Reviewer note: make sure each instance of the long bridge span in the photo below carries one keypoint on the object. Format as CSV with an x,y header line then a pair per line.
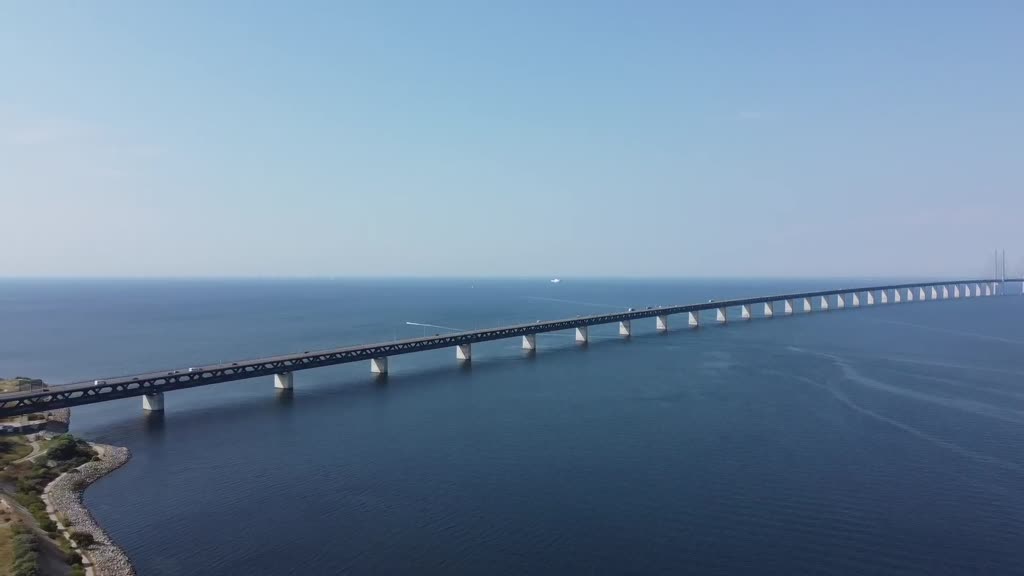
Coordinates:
x,y
152,386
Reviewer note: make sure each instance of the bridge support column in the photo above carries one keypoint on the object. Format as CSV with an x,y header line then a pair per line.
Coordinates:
x,y
581,334
934,293
153,402
283,381
988,289
977,290
769,309
379,365
625,329
967,290
694,318
910,294
787,307
529,342
464,352
807,305
823,304
855,297
869,298
840,301
661,323
722,315
745,311
956,290
896,296
945,292
920,293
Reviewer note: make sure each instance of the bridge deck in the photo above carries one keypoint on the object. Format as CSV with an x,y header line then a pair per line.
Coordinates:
x,y
61,396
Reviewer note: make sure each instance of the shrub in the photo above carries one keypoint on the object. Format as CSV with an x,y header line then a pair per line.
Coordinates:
x,y
72,558
48,525
77,570
83,539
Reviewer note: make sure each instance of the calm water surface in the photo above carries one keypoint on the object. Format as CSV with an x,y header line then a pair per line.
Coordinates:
x,y
882,441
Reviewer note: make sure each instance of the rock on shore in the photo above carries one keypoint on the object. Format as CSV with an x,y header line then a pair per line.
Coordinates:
x,y
64,496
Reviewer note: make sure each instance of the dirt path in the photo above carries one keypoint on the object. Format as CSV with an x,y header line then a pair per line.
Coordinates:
x,y
37,447
51,557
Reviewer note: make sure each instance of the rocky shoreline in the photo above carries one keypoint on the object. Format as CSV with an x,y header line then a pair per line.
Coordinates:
x,y
63,496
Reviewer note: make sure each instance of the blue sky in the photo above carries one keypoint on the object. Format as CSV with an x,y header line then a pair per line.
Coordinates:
x,y
519,138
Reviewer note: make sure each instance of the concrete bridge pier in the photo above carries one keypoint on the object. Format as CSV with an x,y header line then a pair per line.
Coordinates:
x,y
988,289
745,311
910,294
935,293
582,335
967,290
869,298
661,322
807,305
722,315
153,402
840,301
694,318
977,290
283,381
945,292
379,365
856,299
464,352
787,307
823,304
896,297
529,342
920,293
769,309
956,290
625,328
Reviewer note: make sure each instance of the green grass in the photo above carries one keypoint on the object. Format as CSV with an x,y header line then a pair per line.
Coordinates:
x,y
12,448
6,549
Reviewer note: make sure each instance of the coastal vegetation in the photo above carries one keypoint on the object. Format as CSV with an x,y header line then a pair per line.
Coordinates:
x,y
25,480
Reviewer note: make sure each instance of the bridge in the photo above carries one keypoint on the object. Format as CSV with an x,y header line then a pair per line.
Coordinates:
x,y
152,386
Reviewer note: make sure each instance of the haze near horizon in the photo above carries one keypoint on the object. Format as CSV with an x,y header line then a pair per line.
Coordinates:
x,y
520,139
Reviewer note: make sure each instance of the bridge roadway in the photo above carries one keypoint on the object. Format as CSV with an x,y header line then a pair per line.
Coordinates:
x,y
152,385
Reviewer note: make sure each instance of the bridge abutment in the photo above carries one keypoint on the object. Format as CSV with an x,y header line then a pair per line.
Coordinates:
x,y
283,380
153,402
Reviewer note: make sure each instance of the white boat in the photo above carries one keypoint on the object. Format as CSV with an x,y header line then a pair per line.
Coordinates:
x,y
556,280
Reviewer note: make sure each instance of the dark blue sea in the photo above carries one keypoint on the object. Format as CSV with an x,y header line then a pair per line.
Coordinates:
x,y
887,440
